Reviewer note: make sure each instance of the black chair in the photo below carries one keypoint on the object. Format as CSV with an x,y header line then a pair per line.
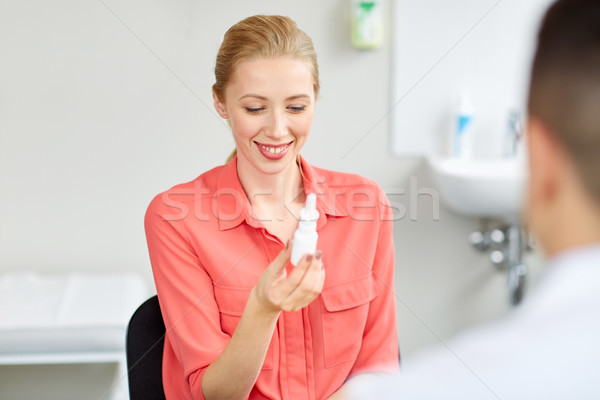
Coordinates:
x,y
144,348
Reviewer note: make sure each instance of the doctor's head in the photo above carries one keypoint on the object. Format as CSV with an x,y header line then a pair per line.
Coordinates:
x,y
266,84
564,125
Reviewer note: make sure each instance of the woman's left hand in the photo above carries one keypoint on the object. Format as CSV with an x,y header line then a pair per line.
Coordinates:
x,y
276,291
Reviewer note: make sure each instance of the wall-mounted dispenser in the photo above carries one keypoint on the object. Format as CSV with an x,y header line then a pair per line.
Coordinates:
x,y
367,24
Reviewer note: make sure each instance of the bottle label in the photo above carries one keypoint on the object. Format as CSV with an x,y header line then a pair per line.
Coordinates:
x,y
463,122
461,141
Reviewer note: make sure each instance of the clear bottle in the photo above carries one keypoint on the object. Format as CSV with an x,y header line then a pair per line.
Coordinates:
x,y
513,135
305,237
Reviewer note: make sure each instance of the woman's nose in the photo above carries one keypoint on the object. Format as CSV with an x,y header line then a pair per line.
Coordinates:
x,y
276,125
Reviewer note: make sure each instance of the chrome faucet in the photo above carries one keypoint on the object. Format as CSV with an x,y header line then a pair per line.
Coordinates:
x,y
516,270
514,134
507,246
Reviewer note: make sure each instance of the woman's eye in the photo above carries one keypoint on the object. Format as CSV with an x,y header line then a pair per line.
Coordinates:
x,y
296,109
254,110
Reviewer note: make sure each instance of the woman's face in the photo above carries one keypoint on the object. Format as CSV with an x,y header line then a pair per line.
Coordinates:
x,y
270,106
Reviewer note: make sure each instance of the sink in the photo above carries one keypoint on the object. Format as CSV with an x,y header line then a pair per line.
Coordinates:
x,y
481,188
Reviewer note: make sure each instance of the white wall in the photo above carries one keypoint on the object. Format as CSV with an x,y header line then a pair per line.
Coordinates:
x,y
105,104
445,49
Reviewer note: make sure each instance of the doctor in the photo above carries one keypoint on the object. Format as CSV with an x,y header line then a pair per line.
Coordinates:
x,y
550,347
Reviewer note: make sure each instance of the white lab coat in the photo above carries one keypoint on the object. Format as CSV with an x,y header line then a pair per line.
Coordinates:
x,y
548,348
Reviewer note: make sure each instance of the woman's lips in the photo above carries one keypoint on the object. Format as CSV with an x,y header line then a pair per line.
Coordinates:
x,y
273,152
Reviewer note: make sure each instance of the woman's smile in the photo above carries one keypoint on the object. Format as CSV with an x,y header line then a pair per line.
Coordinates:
x,y
273,152
270,106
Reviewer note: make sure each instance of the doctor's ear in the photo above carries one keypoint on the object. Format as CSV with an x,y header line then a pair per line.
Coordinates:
x,y
219,106
547,160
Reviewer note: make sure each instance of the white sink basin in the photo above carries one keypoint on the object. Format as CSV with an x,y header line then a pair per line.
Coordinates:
x,y
482,188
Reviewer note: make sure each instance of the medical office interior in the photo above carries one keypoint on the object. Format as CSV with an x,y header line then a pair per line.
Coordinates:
x,y
105,103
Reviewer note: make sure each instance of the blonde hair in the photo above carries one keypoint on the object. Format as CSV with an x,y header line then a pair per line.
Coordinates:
x,y
262,36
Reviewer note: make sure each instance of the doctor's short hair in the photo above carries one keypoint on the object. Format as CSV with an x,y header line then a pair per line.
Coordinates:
x,y
259,37
564,91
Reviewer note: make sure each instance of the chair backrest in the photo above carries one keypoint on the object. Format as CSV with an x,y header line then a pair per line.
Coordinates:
x,y
144,347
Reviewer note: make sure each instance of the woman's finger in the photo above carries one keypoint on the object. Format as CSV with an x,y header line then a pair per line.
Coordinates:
x,y
308,288
287,286
278,265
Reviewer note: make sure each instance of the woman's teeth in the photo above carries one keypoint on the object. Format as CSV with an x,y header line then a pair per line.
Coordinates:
x,y
273,150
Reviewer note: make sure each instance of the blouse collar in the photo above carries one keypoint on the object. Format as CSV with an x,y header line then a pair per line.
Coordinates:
x,y
233,206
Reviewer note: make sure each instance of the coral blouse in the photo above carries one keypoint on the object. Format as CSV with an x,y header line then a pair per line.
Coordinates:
x,y
208,251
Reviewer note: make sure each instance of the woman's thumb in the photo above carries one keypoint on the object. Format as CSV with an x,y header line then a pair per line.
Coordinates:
x,y
282,259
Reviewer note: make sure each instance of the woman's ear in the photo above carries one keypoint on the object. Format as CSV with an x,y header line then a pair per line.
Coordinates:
x,y
220,107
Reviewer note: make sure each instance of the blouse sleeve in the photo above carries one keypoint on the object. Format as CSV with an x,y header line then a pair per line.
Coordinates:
x,y
379,351
186,296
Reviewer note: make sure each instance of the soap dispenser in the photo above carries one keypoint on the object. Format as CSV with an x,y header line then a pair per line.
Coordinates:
x,y
367,24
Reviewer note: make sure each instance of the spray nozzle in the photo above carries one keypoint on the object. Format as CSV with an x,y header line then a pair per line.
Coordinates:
x,y
309,212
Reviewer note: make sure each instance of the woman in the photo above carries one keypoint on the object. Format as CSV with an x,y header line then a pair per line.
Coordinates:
x,y
241,320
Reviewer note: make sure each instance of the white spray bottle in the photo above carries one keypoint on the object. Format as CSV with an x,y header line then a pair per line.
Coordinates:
x,y
305,237
463,129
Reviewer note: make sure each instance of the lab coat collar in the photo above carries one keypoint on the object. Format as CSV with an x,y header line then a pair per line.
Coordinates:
x,y
571,277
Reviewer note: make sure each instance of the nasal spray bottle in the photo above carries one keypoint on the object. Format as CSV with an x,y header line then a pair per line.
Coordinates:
x,y
305,237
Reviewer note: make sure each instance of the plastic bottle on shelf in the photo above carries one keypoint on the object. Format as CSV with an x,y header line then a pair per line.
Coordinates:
x,y
462,135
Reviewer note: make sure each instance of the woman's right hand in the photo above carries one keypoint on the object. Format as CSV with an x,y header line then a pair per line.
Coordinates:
x,y
276,291
234,372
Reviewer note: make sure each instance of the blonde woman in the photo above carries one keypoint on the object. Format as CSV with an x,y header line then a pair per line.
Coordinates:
x,y
242,321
